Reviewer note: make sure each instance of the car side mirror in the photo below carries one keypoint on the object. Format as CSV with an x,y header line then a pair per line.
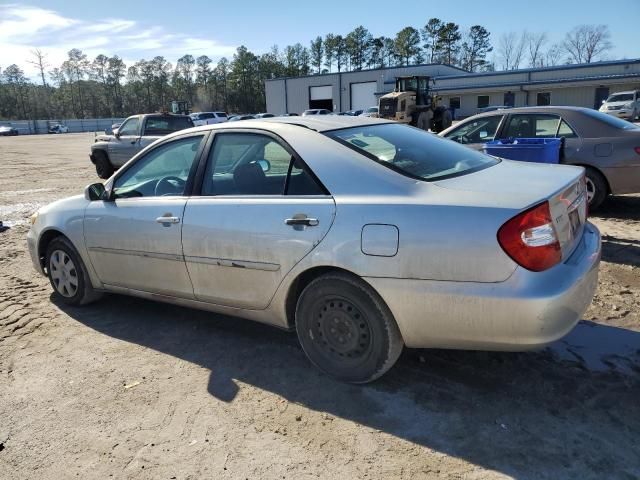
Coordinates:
x,y
94,192
116,133
264,165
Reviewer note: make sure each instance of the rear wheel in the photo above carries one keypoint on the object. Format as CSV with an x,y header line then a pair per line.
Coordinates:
x,y
597,189
443,121
346,330
104,169
68,274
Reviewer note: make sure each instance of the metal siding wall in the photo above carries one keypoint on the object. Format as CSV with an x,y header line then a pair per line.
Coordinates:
x,y
275,93
298,91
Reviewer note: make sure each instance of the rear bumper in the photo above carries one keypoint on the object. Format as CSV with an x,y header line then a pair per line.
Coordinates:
x,y
527,311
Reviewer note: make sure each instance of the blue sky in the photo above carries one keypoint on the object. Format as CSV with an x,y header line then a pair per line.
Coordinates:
x,y
142,29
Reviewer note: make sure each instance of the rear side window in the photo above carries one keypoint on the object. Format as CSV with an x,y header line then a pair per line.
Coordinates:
x,y
565,131
412,152
532,126
254,164
166,125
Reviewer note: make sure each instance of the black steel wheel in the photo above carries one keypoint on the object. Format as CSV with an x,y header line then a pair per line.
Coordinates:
x,y
104,169
346,330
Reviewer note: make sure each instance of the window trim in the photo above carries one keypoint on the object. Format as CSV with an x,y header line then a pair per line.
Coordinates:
x,y
137,134
548,114
204,158
188,189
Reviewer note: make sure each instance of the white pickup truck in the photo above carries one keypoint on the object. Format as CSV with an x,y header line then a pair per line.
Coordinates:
x,y
208,118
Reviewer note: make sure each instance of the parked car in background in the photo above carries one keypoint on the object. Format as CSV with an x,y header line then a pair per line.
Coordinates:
x,y
263,220
58,128
370,112
623,105
236,118
608,147
264,115
110,152
8,131
208,118
353,113
289,115
493,108
317,111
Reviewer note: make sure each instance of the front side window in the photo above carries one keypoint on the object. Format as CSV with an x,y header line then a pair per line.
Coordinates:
x,y
481,130
412,152
161,172
255,164
130,127
532,126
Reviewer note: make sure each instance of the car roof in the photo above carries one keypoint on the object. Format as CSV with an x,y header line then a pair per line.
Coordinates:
x,y
545,109
625,92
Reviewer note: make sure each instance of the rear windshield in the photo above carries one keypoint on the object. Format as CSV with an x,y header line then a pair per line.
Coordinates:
x,y
412,152
166,125
623,97
612,121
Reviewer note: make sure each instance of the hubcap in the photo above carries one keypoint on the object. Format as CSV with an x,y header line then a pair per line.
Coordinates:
x,y
63,273
591,189
341,330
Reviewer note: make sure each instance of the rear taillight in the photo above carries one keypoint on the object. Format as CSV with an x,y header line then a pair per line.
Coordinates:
x,y
530,239
637,149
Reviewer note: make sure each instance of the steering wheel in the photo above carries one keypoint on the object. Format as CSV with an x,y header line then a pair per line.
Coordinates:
x,y
170,185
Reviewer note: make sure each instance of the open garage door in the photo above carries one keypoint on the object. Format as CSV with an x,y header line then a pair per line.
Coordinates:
x,y
363,95
321,97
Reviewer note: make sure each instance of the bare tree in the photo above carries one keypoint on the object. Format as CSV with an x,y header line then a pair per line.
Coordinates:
x,y
40,62
554,54
511,49
535,42
586,43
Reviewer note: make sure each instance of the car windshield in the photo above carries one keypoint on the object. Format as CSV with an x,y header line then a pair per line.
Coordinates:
x,y
623,97
412,152
611,121
372,109
166,125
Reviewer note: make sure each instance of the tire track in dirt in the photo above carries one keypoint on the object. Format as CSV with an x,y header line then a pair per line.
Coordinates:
x,y
20,311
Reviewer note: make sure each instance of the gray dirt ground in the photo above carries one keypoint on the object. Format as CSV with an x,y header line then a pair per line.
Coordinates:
x,y
127,388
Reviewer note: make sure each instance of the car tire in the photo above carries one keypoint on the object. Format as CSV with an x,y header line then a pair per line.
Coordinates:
x,y
597,188
67,274
444,121
104,169
346,330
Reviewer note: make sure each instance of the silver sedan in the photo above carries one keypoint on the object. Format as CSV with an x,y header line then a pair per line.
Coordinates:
x,y
360,234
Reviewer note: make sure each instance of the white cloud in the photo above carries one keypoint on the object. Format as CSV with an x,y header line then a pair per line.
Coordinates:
x,y
24,28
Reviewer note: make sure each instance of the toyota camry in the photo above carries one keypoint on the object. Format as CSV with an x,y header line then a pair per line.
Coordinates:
x,y
361,235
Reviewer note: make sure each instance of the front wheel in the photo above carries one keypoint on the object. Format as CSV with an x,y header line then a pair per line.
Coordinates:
x,y
346,330
104,169
68,274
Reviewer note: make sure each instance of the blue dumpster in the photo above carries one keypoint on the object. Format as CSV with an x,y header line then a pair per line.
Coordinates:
x,y
539,150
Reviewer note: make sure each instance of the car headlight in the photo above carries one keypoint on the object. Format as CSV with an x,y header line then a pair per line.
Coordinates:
x,y
33,218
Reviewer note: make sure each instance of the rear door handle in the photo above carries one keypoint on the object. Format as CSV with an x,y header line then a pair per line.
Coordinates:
x,y
309,222
167,220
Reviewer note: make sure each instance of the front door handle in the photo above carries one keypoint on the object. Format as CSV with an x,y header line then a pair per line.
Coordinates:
x,y
166,220
309,222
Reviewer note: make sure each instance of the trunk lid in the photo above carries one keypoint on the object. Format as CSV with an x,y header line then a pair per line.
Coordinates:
x,y
519,185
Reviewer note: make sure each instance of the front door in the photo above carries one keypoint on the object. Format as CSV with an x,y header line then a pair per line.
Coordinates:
x,y
134,241
125,144
475,133
602,93
260,212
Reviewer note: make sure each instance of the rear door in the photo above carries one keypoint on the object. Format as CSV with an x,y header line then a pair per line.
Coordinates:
x,y
259,213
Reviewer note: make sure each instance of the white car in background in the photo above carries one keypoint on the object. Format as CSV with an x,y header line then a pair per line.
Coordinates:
x,y
623,105
208,118
370,112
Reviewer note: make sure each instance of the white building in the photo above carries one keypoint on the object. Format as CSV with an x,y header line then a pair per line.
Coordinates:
x,y
584,85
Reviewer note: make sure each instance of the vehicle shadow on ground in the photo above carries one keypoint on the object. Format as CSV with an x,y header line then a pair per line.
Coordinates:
x,y
570,411
623,207
621,250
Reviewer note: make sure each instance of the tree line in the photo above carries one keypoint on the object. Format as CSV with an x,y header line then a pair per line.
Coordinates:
x,y
106,87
